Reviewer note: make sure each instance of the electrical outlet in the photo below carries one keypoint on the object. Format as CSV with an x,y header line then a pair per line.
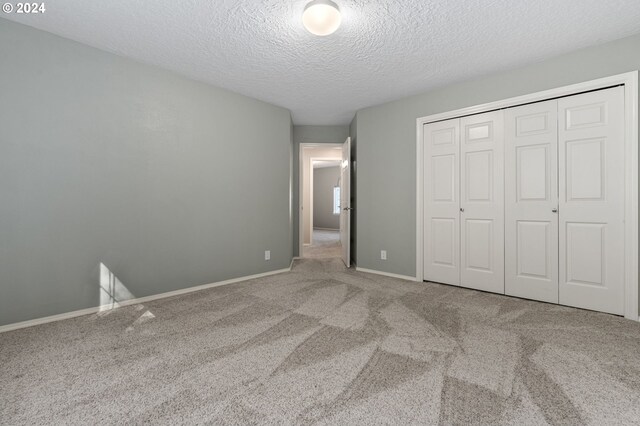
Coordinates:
x,y
267,255
383,254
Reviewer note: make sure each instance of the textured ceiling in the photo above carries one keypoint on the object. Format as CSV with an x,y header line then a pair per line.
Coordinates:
x,y
383,51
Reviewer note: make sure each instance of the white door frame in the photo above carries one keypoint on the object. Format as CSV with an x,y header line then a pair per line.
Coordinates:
x,y
301,148
312,159
630,82
345,203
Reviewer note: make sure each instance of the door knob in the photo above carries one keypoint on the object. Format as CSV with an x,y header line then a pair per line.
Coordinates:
x,y
554,210
348,208
461,209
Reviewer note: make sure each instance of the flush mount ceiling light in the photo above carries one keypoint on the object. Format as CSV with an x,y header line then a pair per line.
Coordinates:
x,y
321,17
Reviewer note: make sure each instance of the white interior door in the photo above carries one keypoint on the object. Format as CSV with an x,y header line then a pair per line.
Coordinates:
x,y
482,202
345,202
531,201
591,160
441,142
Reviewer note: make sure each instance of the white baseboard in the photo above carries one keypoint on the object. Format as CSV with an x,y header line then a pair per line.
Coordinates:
x,y
386,274
327,229
96,309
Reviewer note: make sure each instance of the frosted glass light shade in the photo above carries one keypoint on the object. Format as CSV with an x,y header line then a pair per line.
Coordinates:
x,y
321,17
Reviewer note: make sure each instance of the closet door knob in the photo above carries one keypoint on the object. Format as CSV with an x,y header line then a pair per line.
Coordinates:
x,y
461,209
554,210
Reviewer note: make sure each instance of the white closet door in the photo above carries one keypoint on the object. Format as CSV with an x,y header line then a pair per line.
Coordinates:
x,y
441,202
531,201
591,159
482,202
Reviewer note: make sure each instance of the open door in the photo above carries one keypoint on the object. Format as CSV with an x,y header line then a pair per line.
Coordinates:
x,y
345,202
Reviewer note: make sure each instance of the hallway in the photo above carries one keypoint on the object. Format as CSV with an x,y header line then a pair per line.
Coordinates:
x,y
324,244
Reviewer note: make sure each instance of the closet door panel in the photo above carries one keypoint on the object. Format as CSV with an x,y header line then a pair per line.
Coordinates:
x,y
442,202
482,202
591,161
531,196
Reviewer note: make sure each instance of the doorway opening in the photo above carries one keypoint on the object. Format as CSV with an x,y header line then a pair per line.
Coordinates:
x,y
324,209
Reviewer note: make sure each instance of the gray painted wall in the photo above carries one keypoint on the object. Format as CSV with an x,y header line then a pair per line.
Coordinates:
x,y
309,134
386,182
169,182
324,180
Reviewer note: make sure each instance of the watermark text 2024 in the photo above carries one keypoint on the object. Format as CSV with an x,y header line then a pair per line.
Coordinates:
x,y
22,8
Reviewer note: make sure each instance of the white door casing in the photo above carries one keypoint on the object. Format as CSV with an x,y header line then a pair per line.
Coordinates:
x,y
482,202
592,200
531,201
442,202
308,152
345,202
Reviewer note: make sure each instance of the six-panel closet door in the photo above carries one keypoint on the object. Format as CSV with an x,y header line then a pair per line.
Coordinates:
x,y
592,185
531,201
464,202
482,202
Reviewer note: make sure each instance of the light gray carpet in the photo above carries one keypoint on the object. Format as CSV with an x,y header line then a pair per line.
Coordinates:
x,y
324,244
325,345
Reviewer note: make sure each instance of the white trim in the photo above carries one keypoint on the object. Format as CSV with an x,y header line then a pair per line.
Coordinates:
x,y
311,188
386,274
345,207
327,229
630,82
631,196
301,148
103,308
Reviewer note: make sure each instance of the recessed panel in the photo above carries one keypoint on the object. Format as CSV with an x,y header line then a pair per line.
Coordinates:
x,y
586,116
479,176
479,244
585,253
444,136
443,169
443,241
585,169
533,124
533,249
479,132
532,178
